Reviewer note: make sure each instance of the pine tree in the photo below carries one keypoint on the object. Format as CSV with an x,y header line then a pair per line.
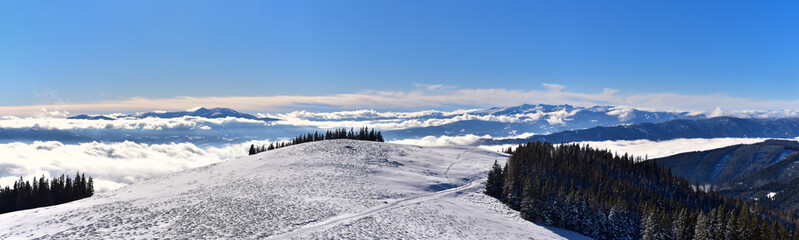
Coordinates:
x,y
528,205
718,226
649,224
681,228
90,187
252,149
730,229
379,137
495,182
702,228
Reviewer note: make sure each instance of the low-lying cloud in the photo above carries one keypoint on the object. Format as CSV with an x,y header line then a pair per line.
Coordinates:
x,y
656,149
463,140
645,149
112,165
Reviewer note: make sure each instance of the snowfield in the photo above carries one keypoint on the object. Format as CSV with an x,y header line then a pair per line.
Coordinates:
x,y
336,189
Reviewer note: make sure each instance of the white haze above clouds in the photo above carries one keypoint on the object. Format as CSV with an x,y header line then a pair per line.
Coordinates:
x,y
423,96
150,123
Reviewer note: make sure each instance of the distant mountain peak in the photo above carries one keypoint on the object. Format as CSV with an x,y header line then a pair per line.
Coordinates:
x,y
216,112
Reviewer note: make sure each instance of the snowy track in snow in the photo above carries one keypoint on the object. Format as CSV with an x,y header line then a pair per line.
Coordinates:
x,y
320,226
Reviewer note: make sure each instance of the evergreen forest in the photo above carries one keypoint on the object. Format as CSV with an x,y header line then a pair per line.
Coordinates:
x,y
607,196
44,192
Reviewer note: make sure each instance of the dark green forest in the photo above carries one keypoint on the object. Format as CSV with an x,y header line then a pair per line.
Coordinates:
x,y
44,192
606,196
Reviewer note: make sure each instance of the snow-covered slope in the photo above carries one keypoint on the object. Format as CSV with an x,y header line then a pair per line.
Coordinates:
x,y
329,189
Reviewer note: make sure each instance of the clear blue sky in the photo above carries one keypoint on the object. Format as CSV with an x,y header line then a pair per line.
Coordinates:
x,y
89,51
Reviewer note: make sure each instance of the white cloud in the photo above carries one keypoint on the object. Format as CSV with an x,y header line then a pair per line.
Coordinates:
x,y
112,165
553,87
624,113
468,139
150,123
424,96
403,120
560,117
718,111
656,149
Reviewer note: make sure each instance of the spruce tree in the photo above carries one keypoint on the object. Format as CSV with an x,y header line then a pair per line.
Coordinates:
x,y
252,149
649,225
702,228
680,228
379,136
495,181
528,207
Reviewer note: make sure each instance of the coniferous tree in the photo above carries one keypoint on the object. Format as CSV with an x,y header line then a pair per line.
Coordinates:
x,y
379,137
682,227
702,228
649,225
252,149
495,181
730,229
528,207
44,192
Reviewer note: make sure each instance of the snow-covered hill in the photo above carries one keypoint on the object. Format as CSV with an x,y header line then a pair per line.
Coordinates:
x,y
329,189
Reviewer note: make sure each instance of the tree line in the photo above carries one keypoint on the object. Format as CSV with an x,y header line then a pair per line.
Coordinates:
x,y
364,133
607,196
45,192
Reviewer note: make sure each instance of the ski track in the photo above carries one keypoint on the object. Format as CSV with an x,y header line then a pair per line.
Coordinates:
x,y
450,166
338,220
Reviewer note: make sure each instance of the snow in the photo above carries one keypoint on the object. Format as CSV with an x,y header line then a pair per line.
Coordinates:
x,y
771,195
321,190
785,153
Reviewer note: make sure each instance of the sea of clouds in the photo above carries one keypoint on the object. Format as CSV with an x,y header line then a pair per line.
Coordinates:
x,y
112,165
117,164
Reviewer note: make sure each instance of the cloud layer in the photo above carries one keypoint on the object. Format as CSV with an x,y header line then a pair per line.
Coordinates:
x,y
112,165
639,148
424,96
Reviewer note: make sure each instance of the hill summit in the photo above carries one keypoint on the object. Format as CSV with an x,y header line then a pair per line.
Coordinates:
x,y
319,190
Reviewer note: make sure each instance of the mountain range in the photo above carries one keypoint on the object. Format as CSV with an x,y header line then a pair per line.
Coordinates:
x,y
506,125
199,112
541,119
718,127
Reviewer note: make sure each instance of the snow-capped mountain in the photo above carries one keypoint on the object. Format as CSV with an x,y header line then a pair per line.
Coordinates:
x,y
199,112
321,190
220,126
718,127
541,119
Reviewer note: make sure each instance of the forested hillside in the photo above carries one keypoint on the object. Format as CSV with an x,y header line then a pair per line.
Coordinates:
x,y
45,192
766,172
607,196
745,164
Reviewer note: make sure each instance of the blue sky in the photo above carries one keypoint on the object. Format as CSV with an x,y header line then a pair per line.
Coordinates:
x,y
84,52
